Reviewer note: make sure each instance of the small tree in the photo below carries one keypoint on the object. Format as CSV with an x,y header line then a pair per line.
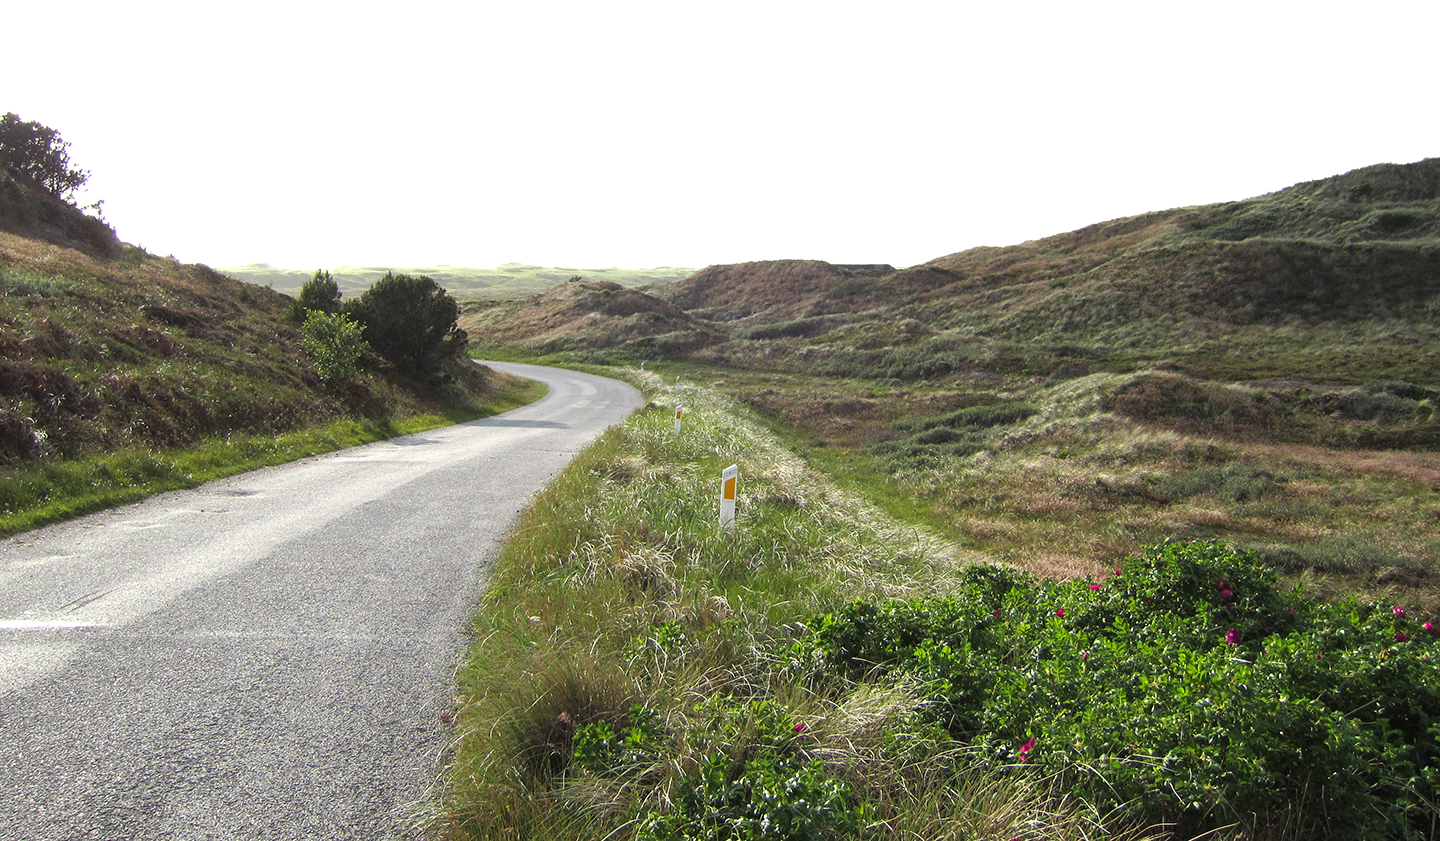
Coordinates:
x,y
319,294
410,321
334,344
37,154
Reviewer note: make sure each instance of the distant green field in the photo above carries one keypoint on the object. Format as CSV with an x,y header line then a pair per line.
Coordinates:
x,y
507,279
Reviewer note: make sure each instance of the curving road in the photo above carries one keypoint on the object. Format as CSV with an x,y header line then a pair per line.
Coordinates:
x,y
268,656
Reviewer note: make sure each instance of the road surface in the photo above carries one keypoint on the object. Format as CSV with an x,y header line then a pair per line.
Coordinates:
x,y
267,656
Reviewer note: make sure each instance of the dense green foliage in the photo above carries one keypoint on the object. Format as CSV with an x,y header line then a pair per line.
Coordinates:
x,y
764,789
334,344
1185,689
37,153
320,293
410,321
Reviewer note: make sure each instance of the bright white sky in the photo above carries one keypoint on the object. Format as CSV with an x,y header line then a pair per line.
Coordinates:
x,y
643,134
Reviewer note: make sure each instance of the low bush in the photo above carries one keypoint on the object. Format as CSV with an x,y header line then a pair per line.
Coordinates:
x,y
1184,690
334,344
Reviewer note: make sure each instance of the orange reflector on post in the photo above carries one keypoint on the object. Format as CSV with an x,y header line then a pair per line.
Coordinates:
x,y
729,479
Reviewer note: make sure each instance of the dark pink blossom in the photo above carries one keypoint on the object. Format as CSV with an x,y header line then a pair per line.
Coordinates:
x,y
1398,611
1231,637
800,727
1400,636
1094,586
1226,595
1025,748
1428,628
1060,612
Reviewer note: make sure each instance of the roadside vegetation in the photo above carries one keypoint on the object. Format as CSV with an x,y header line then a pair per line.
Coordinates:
x,y
827,671
1184,469
123,373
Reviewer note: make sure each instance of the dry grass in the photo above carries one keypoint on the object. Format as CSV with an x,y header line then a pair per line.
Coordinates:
x,y
1076,486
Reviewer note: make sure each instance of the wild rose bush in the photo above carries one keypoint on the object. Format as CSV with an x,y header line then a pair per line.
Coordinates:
x,y
1184,688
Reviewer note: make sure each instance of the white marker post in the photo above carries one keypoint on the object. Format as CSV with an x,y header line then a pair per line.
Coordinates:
x,y
679,410
728,480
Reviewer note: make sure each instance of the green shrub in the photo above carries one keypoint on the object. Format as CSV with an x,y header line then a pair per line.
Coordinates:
x,y
334,344
763,788
37,153
1183,689
638,743
410,321
320,293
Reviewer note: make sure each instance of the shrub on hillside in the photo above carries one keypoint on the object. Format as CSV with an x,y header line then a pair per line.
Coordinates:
x,y
334,345
410,321
320,294
36,153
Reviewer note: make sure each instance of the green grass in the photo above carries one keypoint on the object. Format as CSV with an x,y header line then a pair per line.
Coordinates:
x,y
630,659
639,673
128,375
49,490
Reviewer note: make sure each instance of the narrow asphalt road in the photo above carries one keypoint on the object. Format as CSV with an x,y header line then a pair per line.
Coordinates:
x,y
268,656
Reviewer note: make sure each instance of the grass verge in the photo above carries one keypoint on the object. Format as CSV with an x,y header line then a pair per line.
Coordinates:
x,y
47,491
635,675
824,672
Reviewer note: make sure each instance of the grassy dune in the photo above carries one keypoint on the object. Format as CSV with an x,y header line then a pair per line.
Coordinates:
x,y
626,642
827,671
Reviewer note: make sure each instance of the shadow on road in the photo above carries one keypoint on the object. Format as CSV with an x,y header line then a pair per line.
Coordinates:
x,y
534,424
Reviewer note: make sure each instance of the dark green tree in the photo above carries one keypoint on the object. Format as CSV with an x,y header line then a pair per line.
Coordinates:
x,y
319,294
410,321
37,154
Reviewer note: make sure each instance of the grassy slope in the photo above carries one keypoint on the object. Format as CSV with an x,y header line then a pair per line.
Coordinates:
x,y
503,281
1260,371
581,314
124,373
638,673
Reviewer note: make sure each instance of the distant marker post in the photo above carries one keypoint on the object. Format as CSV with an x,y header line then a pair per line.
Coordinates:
x,y
728,480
